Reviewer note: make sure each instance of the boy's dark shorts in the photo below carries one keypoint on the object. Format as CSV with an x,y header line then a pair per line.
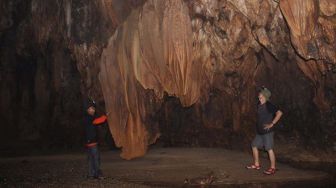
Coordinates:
x,y
263,140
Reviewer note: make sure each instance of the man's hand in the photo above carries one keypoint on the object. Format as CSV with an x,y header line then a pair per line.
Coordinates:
x,y
268,126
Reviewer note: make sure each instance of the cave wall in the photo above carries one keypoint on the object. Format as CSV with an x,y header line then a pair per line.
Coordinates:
x,y
49,51
40,84
212,56
182,72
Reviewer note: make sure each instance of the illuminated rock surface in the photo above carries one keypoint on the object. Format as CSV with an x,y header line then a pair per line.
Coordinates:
x,y
184,72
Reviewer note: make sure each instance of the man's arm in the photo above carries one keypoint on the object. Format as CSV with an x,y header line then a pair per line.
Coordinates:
x,y
277,117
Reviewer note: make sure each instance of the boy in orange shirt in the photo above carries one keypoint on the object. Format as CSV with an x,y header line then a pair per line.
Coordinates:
x,y
91,122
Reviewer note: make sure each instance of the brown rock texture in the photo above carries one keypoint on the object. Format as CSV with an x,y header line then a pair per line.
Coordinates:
x,y
179,72
312,36
150,57
225,46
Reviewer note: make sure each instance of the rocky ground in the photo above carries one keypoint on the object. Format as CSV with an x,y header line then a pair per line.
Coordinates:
x,y
162,167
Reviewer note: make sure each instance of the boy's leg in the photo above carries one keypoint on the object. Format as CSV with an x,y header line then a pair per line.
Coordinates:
x,y
95,161
90,163
100,173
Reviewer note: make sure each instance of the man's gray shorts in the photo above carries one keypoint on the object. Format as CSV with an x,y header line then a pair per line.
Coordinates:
x,y
263,140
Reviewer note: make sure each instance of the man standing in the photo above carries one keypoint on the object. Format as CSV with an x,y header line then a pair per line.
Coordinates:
x,y
268,116
91,122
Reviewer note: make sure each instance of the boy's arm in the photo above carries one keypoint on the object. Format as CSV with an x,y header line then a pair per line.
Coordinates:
x,y
100,120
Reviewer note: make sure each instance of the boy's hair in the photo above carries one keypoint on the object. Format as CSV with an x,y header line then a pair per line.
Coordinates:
x,y
90,103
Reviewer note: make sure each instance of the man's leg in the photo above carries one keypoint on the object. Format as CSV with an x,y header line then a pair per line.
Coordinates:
x,y
256,143
255,156
272,158
269,142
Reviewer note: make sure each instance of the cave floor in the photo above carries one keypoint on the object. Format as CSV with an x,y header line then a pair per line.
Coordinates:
x,y
161,167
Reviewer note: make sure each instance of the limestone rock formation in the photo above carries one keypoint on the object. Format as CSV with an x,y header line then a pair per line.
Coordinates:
x,y
184,72
225,46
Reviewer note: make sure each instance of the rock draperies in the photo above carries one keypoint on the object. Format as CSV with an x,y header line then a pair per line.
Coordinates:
x,y
313,30
151,50
187,48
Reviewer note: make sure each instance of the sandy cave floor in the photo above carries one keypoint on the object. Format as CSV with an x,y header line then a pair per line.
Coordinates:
x,y
161,167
